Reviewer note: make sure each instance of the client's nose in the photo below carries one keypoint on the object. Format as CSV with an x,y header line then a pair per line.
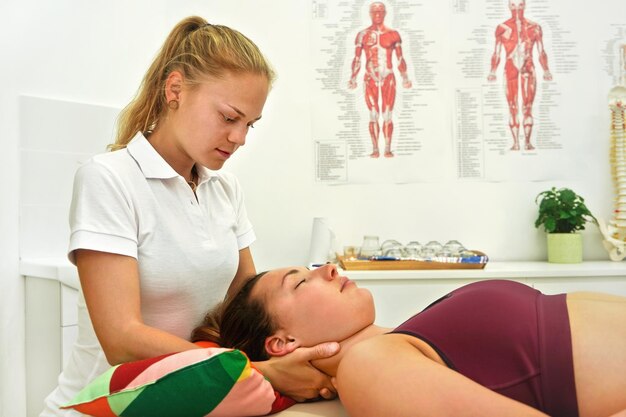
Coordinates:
x,y
329,271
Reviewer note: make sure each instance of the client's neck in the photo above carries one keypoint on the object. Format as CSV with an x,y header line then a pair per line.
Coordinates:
x,y
329,365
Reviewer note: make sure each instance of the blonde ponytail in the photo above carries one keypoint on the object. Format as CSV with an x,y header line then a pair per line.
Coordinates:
x,y
197,49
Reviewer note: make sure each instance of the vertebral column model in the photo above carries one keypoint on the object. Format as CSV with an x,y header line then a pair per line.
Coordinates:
x,y
615,232
379,43
519,35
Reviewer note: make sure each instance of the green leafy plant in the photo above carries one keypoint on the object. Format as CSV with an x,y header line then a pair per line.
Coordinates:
x,y
562,211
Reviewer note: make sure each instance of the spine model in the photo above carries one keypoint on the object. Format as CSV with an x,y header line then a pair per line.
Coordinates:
x,y
615,231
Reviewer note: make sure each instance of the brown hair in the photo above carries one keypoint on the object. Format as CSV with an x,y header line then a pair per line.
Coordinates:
x,y
197,49
240,322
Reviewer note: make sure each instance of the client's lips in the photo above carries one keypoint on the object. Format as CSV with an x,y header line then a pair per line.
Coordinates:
x,y
343,282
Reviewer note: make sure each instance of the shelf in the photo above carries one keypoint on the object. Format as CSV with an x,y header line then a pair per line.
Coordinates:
x,y
503,270
62,270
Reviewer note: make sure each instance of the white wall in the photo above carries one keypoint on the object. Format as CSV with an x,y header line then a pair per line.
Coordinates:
x,y
11,287
96,52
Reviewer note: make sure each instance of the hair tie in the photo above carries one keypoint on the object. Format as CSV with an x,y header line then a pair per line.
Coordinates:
x,y
203,26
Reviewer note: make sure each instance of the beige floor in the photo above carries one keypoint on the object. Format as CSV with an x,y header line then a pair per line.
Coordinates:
x,y
317,409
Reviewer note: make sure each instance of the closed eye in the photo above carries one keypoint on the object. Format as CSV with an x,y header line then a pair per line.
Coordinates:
x,y
230,120
301,282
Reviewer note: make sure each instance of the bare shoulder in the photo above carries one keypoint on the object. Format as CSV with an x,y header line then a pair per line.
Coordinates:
x,y
380,346
371,354
391,375
371,371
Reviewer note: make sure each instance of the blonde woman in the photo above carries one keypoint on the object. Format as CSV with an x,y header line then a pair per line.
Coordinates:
x,y
158,233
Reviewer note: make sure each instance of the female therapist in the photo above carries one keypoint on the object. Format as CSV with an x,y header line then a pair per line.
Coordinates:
x,y
158,233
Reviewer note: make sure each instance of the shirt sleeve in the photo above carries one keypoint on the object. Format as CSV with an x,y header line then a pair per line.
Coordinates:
x,y
102,217
243,228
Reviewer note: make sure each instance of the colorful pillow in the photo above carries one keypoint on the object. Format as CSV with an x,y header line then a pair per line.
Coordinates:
x,y
199,382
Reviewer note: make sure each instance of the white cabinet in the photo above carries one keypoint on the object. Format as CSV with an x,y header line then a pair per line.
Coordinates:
x,y
51,327
400,294
69,321
43,340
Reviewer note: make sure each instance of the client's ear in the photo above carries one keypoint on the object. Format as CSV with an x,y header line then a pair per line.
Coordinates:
x,y
280,344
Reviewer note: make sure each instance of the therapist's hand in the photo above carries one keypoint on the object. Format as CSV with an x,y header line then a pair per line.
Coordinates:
x,y
294,376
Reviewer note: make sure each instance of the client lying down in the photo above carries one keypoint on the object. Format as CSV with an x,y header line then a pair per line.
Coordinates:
x,y
490,348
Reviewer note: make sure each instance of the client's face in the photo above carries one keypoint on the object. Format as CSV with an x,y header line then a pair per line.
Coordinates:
x,y
314,306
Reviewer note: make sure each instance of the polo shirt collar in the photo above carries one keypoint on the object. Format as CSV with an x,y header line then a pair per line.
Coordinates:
x,y
153,165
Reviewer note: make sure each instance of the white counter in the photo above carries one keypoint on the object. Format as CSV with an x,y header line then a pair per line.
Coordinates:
x,y
59,269
503,270
62,270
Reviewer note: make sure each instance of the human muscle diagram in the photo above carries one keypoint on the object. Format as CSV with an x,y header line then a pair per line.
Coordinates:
x,y
374,78
518,37
482,90
379,44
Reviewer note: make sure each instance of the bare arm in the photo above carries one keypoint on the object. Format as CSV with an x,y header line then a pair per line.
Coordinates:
x,y
401,381
295,376
110,283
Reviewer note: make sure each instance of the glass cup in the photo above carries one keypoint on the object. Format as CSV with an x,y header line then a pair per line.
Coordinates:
x,y
431,249
370,246
392,249
389,244
397,253
351,252
452,248
412,250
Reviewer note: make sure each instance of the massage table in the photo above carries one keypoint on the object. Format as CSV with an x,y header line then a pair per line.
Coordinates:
x,y
331,408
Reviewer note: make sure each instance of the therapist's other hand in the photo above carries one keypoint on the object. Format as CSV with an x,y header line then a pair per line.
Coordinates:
x,y
294,376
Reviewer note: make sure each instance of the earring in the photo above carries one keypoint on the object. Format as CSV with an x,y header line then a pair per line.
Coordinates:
x,y
172,104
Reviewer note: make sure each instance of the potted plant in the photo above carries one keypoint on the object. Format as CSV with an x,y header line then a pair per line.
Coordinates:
x,y
562,213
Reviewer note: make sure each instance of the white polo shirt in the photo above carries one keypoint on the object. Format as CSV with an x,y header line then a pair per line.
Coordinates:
x,y
131,202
